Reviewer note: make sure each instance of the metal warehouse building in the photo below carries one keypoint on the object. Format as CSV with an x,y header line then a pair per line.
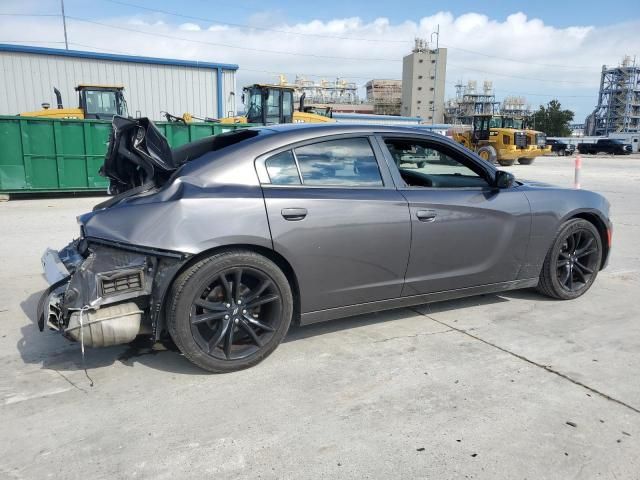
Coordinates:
x,y
152,85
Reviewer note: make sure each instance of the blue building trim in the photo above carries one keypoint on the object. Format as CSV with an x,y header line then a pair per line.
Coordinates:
x,y
219,90
117,58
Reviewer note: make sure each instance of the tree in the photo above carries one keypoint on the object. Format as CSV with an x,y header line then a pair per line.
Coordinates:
x,y
552,120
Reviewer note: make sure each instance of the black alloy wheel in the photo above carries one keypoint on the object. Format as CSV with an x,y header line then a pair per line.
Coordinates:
x,y
577,260
573,261
229,311
236,314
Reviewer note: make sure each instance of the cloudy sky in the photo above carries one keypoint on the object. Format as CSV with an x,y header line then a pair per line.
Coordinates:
x,y
540,50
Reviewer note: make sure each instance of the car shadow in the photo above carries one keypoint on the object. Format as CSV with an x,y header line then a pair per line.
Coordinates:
x,y
54,352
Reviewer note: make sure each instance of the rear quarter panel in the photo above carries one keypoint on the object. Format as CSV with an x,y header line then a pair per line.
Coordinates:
x,y
209,204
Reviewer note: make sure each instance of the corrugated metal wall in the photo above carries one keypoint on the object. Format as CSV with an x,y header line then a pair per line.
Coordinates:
x,y
28,79
229,93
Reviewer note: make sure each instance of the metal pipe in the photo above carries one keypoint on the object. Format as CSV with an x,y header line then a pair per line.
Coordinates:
x,y
58,97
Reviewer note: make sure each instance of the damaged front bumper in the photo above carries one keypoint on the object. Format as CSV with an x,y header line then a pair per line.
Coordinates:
x,y
102,294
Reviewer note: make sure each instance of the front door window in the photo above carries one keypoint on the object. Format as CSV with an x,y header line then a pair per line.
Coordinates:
x,y
425,165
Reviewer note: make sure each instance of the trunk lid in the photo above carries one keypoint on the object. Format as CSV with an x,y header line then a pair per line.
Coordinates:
x,y
138,156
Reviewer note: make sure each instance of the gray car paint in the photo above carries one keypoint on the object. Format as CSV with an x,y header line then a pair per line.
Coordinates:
x,y
486,230
216,201
485,233
352,247
551,207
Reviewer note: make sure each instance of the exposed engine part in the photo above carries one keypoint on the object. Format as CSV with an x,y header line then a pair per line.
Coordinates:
x,y
108,276
121,281
106,326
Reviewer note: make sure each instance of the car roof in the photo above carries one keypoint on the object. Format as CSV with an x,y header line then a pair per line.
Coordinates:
x,y
297,132
338,128
278,136
240,156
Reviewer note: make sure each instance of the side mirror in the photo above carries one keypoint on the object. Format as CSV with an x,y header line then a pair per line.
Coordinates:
x,y
504,179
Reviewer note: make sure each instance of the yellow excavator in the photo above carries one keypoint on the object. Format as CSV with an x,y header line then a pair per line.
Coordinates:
x,y
268,104
100,102
500,139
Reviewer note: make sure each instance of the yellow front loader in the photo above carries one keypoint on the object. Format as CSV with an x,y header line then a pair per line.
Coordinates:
x,y
269,104
498,139
100,102
536,140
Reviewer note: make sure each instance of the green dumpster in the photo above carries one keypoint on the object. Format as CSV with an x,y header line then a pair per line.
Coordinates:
x,y
39,155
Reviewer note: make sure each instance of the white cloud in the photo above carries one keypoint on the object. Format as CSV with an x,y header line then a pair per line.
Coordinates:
x,y
559,62
189,27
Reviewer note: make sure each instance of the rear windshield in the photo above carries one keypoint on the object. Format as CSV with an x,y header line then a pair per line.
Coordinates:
x,y
198,148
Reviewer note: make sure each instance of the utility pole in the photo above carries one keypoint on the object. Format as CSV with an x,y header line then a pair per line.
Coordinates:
x,y
64,25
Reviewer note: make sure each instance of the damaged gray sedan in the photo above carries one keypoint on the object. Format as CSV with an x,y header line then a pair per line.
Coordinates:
x,y
226,241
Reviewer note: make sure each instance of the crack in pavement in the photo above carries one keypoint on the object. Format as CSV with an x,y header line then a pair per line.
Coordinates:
x,y
534,363
70,382
414,335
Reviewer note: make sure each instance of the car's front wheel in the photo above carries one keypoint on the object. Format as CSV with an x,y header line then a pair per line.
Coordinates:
x,y
573,261
229,311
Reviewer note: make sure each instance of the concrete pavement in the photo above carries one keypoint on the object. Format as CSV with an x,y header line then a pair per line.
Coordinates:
x,y
497,386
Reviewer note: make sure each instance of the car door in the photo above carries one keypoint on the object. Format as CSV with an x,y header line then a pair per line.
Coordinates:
x,y
336,216
465,232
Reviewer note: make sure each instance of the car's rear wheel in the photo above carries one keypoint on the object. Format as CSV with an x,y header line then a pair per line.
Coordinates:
x,y
229,311
573,261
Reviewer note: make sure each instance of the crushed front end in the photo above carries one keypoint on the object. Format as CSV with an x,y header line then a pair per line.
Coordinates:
x,y
103,294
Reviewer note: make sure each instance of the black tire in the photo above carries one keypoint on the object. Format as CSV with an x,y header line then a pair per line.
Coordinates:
x,y
525,161
507,163
421,164
195,286
488,153
561,262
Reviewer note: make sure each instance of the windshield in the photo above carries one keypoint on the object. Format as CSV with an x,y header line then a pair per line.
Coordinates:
x,y
101,103
273,106
254,106
516,123
495,122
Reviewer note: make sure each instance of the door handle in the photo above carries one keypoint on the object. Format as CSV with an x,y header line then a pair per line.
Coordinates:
x,y
426,215
294,214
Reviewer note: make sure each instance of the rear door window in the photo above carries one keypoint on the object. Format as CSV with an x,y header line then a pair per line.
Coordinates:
x,y
343,162
282,169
